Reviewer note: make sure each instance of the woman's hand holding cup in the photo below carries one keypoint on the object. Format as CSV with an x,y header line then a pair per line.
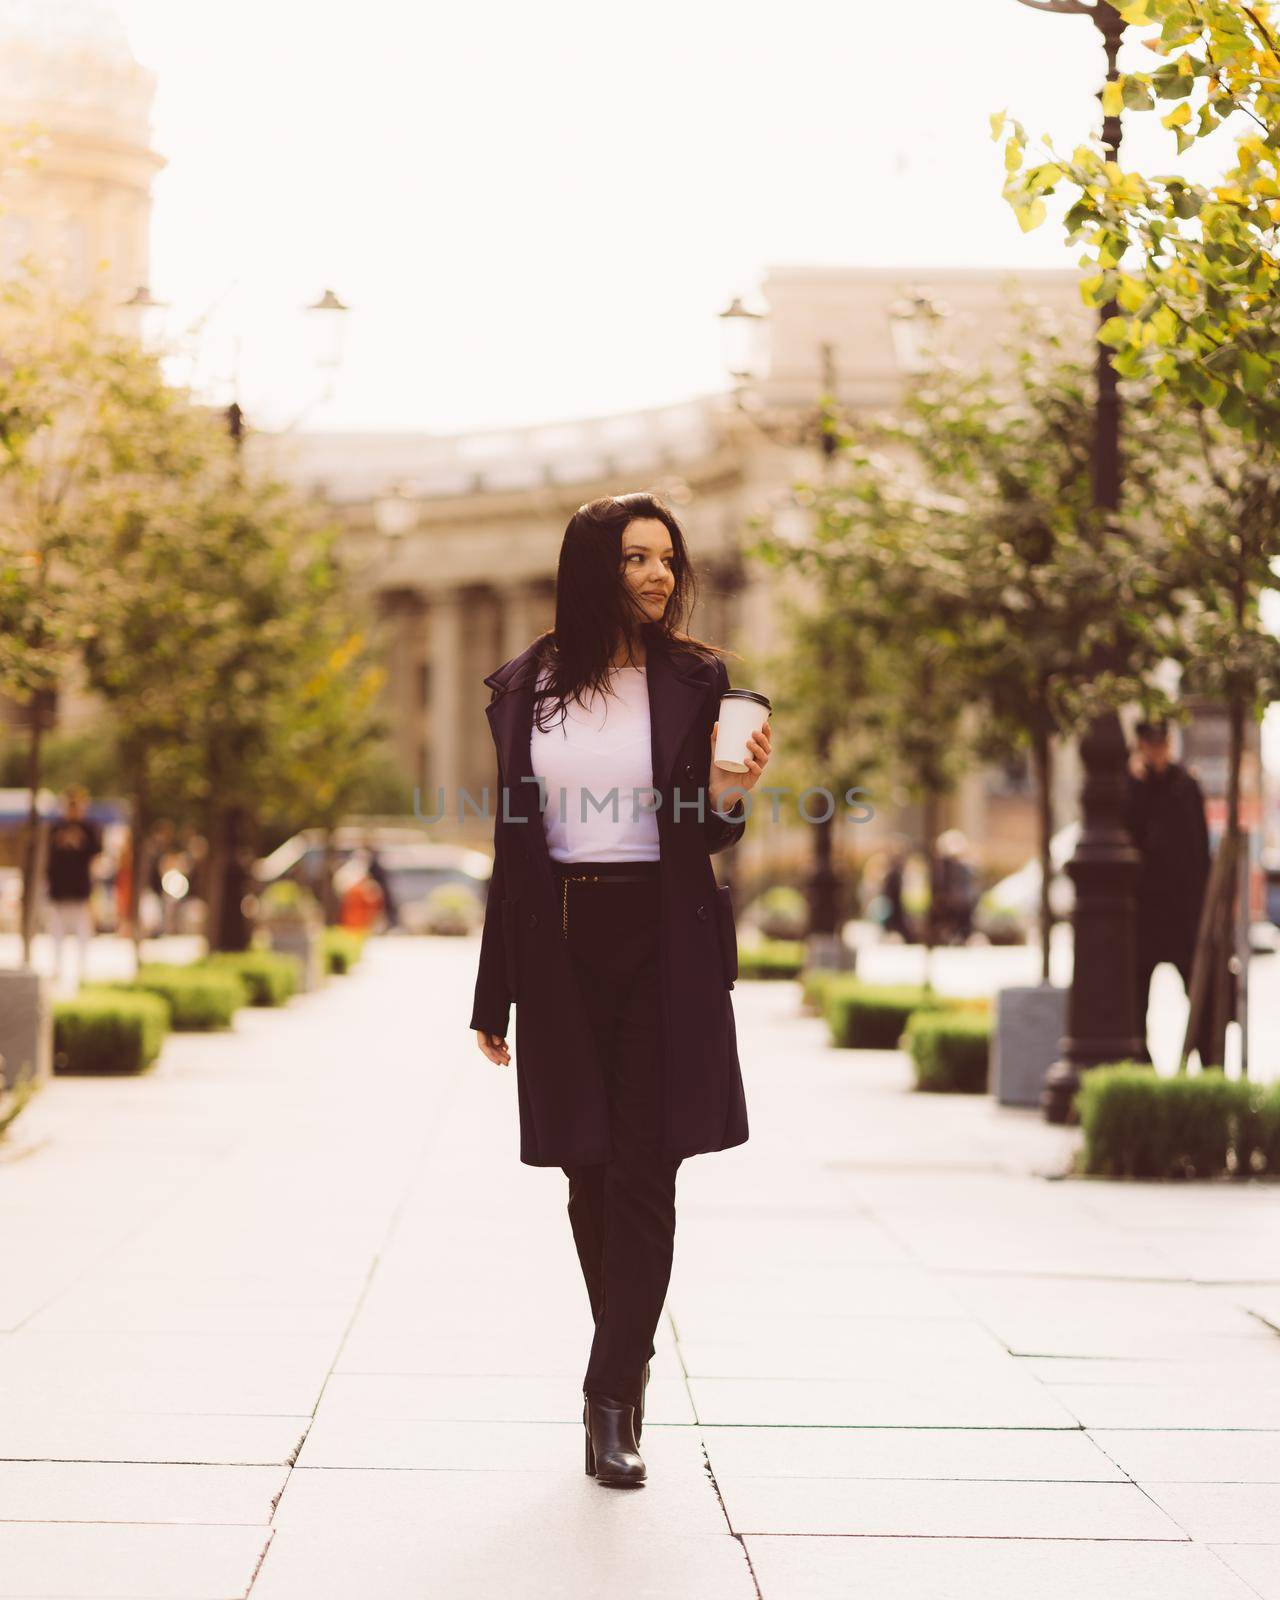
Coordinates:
x,y
754,757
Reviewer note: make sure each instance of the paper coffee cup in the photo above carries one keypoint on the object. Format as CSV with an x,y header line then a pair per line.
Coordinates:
x,y
742,713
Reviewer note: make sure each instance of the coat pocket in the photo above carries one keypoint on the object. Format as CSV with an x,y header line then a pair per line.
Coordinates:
x,y
510,911
728,934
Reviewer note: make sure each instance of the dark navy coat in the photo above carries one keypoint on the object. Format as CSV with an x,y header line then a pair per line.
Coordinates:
x,y
524,959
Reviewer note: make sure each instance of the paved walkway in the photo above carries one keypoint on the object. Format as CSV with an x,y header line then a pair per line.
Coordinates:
x,y
288,1317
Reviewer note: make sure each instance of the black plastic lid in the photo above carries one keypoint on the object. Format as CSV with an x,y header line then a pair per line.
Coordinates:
x,y
747,694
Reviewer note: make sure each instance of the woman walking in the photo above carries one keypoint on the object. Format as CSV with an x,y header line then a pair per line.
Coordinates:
x,y
606,929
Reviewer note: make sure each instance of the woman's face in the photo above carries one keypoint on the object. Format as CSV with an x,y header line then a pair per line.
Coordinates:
x,y
648,565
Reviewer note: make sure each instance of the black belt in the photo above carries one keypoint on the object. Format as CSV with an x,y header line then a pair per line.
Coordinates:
x,y
606,872
599,872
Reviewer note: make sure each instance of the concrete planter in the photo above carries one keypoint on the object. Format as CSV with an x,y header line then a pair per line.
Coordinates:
x,y
301,939
1026,1040
26,1027
831,953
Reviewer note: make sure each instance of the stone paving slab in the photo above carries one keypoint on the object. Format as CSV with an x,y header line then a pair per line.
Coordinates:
x,y
1192,1455
1222,1513
1163,1405
97,1491
458,1398
1245,1364
45,1432
930,1508
1031,1454
384,1536
481,1446
1257,1564
128,1561
989,1569
900,1399
495,1354
854,1347
886,1312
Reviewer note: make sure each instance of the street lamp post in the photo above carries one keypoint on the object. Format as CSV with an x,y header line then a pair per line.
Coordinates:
x,y
743,353
914,321
1102,1020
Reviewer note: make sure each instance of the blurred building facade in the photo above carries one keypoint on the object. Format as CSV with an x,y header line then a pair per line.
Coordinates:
x,y
76,162
457,538
76,169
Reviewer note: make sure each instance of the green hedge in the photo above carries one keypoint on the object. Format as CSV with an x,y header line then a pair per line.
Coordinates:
x,y
270,977
771,958
950,1049
864,1016
201,997
814,984
341,949
107,1029
1258,1135
1137,1124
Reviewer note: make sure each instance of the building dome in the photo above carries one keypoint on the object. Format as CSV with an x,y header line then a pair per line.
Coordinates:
x,y
58,24
66,67
75,178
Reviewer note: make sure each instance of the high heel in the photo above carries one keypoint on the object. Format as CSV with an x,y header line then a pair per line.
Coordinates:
x,y
611,1453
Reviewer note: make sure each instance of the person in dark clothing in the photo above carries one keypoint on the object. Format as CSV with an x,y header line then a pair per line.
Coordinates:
x,y
74,842
1164,814
891,887
953,889
379,875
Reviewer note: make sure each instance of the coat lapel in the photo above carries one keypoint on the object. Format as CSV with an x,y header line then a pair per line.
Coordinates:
x,y
677,689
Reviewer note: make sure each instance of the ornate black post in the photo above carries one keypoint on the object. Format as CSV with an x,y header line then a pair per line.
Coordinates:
x,y
823,889
1102,1024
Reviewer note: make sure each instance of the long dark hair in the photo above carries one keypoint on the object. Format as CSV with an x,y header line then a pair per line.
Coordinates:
x,y
594,610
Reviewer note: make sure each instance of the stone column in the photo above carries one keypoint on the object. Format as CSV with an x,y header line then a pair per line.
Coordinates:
x,y
443,721
526,612
404,613
481,653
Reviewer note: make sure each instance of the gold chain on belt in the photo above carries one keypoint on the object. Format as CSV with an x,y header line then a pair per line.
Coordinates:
x,y
576,877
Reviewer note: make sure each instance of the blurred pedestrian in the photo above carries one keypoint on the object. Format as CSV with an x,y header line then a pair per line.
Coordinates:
x,y
379,875
74,844
123,887
891,888
360,899
1164,813
954,889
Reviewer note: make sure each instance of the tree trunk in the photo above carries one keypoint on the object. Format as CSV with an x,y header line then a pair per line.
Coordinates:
x,y
1223,978
328,896
929,848
138,845
216,873
33,837
1042,757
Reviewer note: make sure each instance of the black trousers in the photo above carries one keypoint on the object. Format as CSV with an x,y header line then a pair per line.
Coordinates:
x,y
623,1213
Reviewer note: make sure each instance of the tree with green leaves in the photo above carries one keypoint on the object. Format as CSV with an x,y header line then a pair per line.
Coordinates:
x,y
1193,270
968,538
1063,606
64,417
869,650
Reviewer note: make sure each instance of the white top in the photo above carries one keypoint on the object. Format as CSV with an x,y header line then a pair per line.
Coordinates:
x,y
597,774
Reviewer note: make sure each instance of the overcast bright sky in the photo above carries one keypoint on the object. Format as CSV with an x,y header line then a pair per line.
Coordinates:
x,y
536,211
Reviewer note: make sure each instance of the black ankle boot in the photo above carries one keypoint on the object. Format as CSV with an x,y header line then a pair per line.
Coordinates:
x,y
612,1456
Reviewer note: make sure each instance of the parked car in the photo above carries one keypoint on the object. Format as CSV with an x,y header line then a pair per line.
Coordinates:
x,y
413,868
1009,910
